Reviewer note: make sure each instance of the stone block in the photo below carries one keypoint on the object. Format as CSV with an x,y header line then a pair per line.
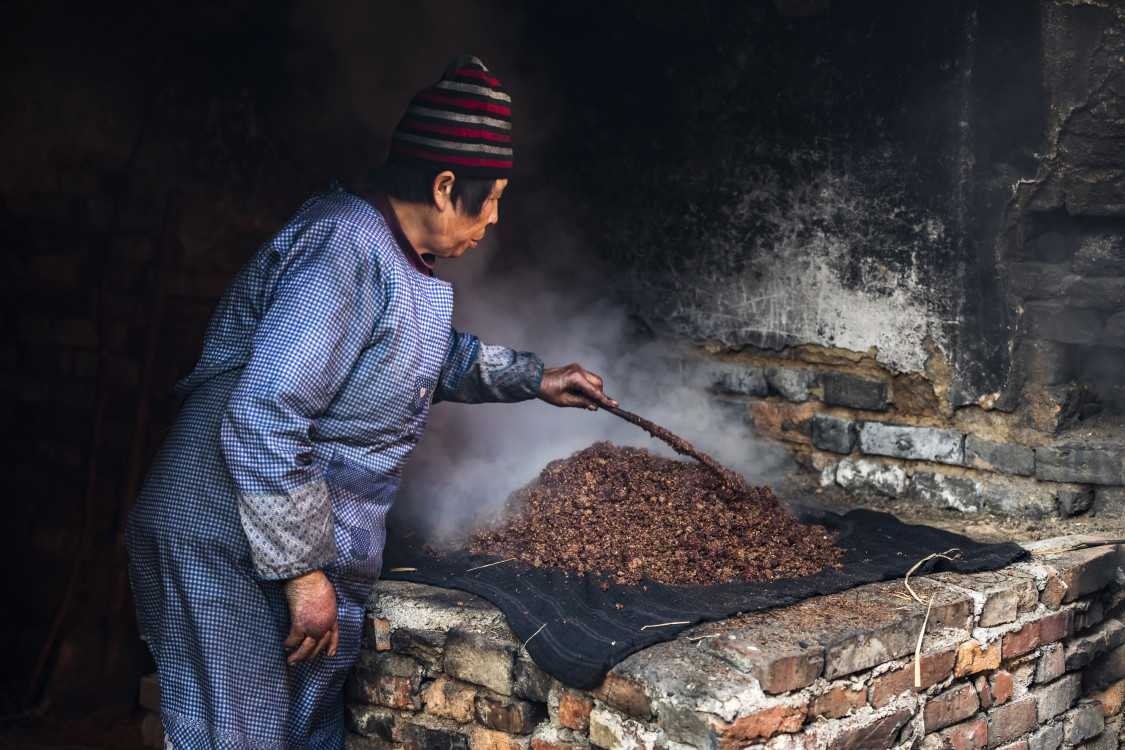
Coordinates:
x,y
914,443
1022,641
1057,697
1084,571
1109,501
149,696
833,433
427,647
480,660
371,721
1051,664
1105,671
530,682
1083,650
481,738
1075,500
968,735
761,725
1002,595
1017,496
859,650
974,657
1083,722
610,729
451,699
1046,738
945,491
1112,698
1008,458
574,710
862,475
1078,464
838,701
935,667
735,378
549,737
842,389
791,383
954,705
1000,687
507,714
1009,722
377,632
787,664
879,730
625,694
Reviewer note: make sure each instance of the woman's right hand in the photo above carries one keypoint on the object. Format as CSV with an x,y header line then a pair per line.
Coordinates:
x,y
312,615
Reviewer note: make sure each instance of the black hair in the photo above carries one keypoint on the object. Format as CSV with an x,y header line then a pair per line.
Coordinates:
x,y
415,184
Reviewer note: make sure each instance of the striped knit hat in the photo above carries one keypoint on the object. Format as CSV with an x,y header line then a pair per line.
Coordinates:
x,y
462,123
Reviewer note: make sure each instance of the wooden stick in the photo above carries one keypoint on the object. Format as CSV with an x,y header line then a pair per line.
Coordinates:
x,y
666,624
929,605
523,647
489,565
678,444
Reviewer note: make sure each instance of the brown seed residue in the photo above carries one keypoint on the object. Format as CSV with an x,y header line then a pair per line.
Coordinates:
x,y
629,514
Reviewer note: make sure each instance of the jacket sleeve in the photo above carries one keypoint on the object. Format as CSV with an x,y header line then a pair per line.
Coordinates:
x,y
476,373
313,328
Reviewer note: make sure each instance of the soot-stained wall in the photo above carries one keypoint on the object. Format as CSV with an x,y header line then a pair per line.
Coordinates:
x,y
834,178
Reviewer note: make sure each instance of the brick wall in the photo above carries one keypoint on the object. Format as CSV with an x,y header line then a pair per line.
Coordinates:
x,y
1030,658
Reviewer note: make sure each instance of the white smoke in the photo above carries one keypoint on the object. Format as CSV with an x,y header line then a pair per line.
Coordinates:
x,y
474,456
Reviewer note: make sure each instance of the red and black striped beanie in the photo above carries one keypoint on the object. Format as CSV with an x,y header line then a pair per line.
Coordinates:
x,y
462,123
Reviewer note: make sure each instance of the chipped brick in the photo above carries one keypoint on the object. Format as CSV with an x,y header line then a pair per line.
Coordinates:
x,y
954,705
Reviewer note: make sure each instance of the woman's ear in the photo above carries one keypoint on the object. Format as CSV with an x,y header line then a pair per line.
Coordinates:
x,y
443,190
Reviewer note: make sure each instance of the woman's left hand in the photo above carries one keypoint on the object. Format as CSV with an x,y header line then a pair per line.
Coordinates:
x,y
573,385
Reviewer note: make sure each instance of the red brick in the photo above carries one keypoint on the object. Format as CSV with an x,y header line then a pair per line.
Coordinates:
x,y
1111,698
1021,641
1000,685
624,694
879,732
934,668
450,699
969,735
574,711
761,725
510,715
973,658
1010,721
839,701
954,705
1055,626
378,632
984,691
490,739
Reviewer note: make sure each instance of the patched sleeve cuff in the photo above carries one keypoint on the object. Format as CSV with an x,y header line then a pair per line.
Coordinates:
x,y
291,533
499,374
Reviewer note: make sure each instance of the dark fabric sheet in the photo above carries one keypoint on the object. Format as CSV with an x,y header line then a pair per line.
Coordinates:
x,y
586,633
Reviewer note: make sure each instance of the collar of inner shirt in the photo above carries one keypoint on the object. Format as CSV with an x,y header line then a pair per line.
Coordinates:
x,y
423,262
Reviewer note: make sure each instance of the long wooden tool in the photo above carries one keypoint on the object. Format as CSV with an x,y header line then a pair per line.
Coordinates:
x,y
681,446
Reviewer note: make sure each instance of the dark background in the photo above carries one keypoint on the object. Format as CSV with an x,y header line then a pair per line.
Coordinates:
x,y
147,151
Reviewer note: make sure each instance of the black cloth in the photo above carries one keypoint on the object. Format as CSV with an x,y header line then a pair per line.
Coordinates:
x,y
586,632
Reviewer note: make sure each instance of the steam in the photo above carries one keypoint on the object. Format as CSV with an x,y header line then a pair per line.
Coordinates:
x,y
474,456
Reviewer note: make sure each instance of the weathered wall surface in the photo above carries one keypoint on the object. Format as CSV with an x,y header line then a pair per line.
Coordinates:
x,y
835,178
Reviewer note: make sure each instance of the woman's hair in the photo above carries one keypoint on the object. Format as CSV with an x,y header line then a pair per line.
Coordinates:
x,y
415,184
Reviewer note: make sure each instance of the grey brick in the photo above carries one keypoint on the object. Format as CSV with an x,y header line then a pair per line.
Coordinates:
x,y
1075,500
1081,651
733,377
1018,496
1083,721
1046,738
1008,458
854,392
943,491
915,443
1081,465
791,383
833,433
481,661
1106,671
1055,698
863,475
